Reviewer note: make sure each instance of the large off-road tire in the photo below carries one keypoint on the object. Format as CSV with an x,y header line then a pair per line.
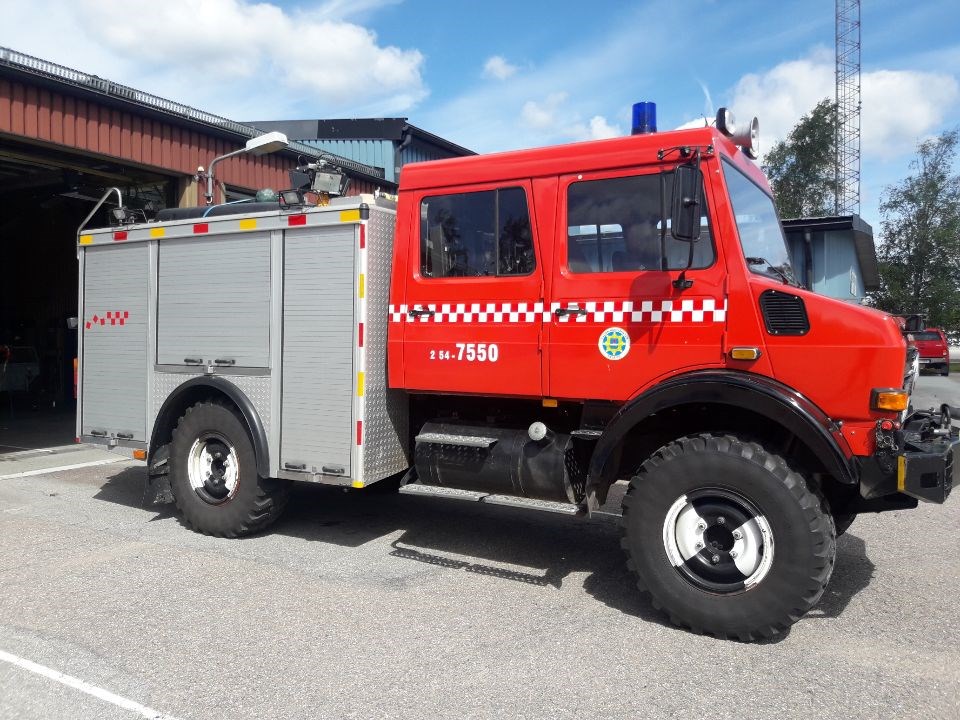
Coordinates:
x,y
213,474
726,538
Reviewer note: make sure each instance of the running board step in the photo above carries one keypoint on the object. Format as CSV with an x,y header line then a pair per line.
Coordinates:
x,y
488,499
463,440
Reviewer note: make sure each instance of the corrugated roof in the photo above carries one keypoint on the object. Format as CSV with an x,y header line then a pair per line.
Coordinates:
x,y
391,129
94,84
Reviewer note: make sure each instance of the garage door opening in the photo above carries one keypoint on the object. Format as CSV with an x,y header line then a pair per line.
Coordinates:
x,y
44,196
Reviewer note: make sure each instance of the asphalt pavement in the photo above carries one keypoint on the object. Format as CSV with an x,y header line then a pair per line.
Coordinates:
x,y
359,606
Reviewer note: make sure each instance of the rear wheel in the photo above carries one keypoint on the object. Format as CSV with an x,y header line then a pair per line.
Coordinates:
x,y
213,474
726,538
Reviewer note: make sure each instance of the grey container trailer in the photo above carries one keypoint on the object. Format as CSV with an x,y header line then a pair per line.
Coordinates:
x,y
281,316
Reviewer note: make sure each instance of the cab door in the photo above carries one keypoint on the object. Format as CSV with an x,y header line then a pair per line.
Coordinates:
x,y
474,300
618,321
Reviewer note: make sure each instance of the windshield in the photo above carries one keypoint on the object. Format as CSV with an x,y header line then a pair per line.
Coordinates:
x,y
761,236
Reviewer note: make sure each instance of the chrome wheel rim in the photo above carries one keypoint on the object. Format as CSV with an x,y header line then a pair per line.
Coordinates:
x,y
212,468
718,541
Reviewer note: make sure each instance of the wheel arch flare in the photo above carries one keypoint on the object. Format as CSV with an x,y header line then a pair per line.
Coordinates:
x,y
206,388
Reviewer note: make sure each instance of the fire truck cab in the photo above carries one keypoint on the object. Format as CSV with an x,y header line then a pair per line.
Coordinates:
x,y
538,324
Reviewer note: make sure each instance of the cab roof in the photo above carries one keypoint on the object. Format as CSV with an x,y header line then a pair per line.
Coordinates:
x,y
630,150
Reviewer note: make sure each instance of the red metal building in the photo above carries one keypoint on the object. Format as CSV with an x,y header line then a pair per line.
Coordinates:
x,y
65,137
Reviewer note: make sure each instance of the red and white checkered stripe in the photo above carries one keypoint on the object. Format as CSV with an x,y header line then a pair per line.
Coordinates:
x,y
472,312
691,310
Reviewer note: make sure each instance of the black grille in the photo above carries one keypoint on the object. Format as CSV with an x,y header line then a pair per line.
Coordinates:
x,y
784,314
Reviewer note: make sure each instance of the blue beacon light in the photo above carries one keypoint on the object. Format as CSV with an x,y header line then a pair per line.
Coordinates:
x,y
644,118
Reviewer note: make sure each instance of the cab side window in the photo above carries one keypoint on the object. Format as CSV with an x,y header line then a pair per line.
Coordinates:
x,y
476,234
615,225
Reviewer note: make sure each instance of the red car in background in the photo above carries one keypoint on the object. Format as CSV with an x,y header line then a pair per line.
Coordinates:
x,y
934,350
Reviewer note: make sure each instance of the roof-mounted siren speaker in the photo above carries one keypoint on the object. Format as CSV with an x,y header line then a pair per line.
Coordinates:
x,y
748,138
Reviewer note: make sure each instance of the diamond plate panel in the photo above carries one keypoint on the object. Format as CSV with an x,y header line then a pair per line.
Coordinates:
x,y
256,388
386,430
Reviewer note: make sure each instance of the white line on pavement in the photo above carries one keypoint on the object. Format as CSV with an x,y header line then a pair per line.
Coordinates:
x,y
44,471
86,687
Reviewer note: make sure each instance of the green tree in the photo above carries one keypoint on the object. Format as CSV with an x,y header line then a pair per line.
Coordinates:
x,y
801,169
919,260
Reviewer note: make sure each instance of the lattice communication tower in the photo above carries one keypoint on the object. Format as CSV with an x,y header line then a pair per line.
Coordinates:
x,y
848,107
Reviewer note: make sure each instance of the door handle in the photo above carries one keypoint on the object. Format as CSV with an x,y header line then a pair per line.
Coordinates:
x,y
419,312
193,361
575,310
225,361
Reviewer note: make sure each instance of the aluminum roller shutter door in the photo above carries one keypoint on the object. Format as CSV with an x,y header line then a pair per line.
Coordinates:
x,y
318,348
214,300
115,343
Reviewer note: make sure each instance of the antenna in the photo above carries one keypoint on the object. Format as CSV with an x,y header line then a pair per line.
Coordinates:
x,y
847,169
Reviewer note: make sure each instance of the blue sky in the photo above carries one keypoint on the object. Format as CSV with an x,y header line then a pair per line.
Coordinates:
x,y
499,75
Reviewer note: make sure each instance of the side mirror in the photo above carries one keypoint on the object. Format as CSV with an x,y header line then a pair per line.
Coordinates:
x,y
687,203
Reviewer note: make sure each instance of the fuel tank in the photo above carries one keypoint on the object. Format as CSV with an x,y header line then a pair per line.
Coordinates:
x,y
533,463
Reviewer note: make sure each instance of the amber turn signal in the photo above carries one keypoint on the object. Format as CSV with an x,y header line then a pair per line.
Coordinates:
x,y
745,353
892,400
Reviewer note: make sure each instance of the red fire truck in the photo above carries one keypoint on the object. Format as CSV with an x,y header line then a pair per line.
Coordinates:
x,y
539,324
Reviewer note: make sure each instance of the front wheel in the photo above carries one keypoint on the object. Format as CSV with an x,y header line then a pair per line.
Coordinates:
x,y
726,538
213,474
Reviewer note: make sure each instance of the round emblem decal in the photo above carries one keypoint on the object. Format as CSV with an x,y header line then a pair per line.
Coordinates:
x,y
614,343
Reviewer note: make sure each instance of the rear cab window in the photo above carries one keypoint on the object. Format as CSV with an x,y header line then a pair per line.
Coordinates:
x,y
476,234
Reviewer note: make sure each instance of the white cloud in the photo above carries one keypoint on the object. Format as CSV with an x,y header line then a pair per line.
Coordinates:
x,y
902,107
239,58
498,68
552,115
542,115
342,9
898,106
601,129
597,75
783,94
695,123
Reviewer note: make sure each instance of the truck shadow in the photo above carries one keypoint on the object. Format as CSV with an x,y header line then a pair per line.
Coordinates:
x,y
851,574
129,487
518,545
